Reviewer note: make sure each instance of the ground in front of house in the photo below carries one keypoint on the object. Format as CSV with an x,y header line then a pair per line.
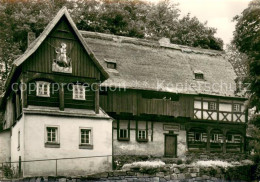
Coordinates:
x,y
169,170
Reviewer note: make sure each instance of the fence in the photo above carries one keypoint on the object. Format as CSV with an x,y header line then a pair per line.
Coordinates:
x,y
74,166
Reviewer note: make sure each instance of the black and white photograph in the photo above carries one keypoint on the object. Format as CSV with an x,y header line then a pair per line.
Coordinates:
x,y
130,90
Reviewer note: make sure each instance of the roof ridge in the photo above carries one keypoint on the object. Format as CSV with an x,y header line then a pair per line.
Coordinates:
x,y
150,43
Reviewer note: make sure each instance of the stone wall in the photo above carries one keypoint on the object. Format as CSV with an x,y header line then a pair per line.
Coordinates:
x,y
168,173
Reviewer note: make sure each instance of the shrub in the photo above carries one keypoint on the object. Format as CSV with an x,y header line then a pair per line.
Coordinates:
x,y
179,162
8,171
188,161
213,172
242,173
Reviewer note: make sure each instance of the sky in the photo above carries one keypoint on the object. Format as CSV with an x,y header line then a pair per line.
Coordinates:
x,y
218,13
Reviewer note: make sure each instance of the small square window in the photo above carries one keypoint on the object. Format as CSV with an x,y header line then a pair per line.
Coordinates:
x,y
199,76
236,107
142,134
123,134
212,106
78,92
43,89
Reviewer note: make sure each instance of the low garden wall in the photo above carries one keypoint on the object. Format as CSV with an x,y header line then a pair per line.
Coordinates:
x,y
167,172
194,167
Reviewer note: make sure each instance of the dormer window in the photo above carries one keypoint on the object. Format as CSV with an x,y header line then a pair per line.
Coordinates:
x,y
78,92
111,64
43,89
199,75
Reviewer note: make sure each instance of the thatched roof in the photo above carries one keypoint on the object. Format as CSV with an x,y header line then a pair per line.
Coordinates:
x,y
150,65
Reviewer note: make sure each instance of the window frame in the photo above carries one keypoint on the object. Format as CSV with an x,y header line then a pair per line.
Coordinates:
x,y
199,76
50,144
200,136
215,137
111,65
86,145
123,128
215,106
74,92
145,135
239,106
38,89
232,138
123,138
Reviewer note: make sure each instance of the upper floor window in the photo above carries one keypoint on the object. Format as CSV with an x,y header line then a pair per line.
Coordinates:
x,y
78,92
43,89
212,106
236,107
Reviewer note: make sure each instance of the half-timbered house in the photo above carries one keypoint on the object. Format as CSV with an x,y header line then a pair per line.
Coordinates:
x,y
168,99
164,99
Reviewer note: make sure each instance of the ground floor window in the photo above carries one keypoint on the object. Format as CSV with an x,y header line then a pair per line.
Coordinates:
x,y
86,138
123,134
52,133
142,134
233,138
198,137
123,130
52,136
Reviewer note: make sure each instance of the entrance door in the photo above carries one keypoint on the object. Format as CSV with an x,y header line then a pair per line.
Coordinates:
x,y
170,145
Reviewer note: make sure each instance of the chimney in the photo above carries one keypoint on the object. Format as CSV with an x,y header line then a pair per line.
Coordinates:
x,y
30,38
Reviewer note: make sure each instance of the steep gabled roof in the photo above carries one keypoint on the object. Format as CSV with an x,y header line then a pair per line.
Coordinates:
x,y
150,65
37,42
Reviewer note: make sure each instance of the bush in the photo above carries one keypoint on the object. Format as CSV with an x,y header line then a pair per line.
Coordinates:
x,y
188,161
256,169
213,172
8,171
179,162
241,173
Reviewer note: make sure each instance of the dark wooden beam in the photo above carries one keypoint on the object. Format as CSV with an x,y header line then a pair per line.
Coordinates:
x,y
61,97
97,98
152,130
